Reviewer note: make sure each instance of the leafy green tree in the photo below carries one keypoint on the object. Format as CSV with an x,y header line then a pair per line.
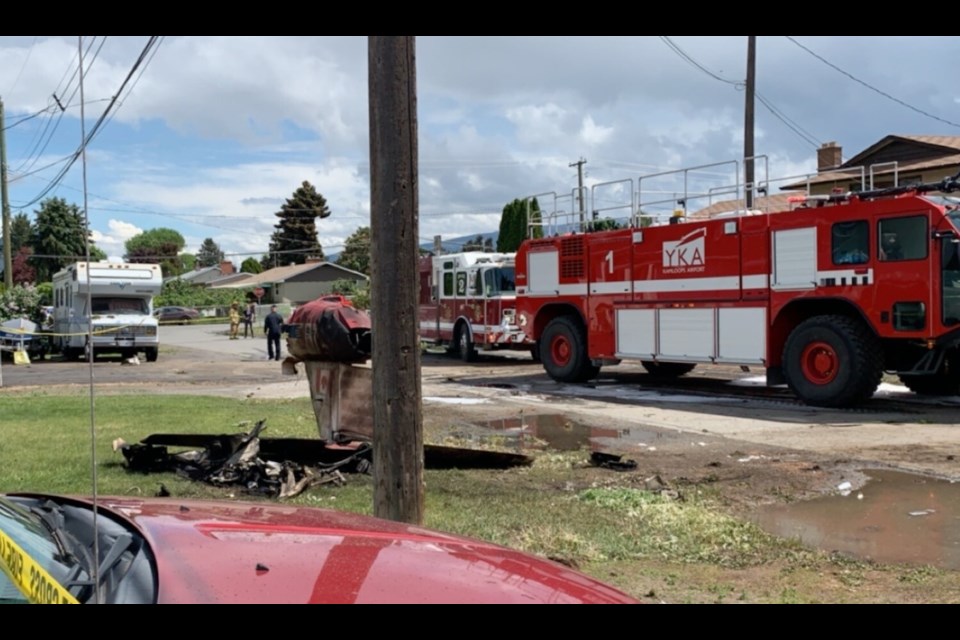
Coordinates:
x,y
157,246
478,244
97,254
209,254
21,301
58,237
514,221
604,224
357,292
295,238
180,293
356,251
188,261
251,265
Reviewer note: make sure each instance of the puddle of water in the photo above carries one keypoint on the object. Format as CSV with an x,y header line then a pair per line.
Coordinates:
x,y
558,432
901,518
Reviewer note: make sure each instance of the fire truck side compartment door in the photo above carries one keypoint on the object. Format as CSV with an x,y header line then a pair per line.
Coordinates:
x,y
687,334
543,272
636,333
742,335
795,258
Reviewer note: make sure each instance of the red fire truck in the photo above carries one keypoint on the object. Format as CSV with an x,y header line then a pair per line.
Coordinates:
x,y
826,296
468,301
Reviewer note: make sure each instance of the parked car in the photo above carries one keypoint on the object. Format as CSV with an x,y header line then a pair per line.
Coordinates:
x,y
171,551
181,315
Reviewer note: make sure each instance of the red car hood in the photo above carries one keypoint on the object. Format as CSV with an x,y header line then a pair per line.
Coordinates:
x,y
223,552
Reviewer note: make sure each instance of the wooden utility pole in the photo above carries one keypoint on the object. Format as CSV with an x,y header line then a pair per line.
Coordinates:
x,y
748,186
7,249
394,282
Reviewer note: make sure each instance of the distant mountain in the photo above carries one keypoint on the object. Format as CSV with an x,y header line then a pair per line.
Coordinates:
x,y
450,245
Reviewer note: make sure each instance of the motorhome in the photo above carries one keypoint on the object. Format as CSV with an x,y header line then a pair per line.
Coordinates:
x,y
106,307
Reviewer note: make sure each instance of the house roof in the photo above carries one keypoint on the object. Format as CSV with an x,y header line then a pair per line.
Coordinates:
x,y
775,202
282,274
935,151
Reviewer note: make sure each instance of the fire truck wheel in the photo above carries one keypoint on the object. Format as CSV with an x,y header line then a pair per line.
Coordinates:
x,y
563,351
832,361
667,369
465,348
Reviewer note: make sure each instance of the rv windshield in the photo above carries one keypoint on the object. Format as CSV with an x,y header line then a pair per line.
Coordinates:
x,y
498,281
129,306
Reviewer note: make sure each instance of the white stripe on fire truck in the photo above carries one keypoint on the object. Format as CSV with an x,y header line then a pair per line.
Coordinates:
x,y
724,283
478,329
719,283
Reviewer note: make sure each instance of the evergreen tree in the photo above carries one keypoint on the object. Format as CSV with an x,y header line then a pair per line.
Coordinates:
x,y
295,238
356,251
209,254
514,224
57,237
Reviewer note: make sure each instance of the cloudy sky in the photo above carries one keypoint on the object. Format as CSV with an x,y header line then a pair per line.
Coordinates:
x,y
210,135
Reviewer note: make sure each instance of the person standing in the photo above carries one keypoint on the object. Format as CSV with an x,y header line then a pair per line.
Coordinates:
x,y
272,326
249,313
234,321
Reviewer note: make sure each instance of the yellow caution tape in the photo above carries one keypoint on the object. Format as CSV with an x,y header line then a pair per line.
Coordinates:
x,y
30,577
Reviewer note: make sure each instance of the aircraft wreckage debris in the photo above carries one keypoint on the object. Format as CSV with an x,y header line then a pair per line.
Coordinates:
x,y
283,467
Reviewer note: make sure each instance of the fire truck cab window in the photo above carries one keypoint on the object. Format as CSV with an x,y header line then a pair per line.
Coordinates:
x,y
447,283
499,280
850,242
903,238
461,283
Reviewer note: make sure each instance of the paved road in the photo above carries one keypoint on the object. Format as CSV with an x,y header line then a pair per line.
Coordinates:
x,y
199,354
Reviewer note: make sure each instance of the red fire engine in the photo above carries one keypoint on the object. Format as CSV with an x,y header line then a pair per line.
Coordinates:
x,y
825,296
468,301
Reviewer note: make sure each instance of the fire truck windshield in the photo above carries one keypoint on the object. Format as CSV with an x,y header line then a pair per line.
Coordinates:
x,y
498,281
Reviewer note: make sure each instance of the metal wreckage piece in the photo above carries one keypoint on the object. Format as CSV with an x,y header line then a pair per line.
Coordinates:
x,y
330,338
278,467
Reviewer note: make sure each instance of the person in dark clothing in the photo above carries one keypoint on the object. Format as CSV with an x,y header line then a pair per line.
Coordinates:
x,y
248,316
272,326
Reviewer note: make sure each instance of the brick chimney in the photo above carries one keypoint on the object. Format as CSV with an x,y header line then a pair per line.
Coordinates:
x,y
829,156
226,268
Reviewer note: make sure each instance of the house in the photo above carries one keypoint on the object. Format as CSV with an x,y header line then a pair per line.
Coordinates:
x,y
895,160
295,284
205,275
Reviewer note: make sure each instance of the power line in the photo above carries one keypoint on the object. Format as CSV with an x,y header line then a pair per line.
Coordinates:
x,y
869,86
97,126
683,54
779,115
23,66
29,117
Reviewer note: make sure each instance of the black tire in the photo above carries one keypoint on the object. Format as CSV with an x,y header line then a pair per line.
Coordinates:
x,y
667,369
832,361
946,382
152,354
535,353
563,351
465,348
